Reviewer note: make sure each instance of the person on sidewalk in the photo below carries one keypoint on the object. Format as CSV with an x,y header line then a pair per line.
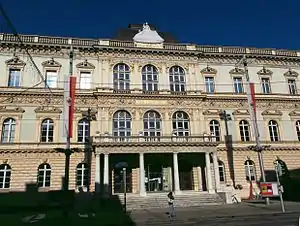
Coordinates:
x,y
171,205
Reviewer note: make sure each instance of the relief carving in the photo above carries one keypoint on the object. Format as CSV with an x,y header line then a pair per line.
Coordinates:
x,y
212,112
294,113
85,65
11,109
51,63
291,73
272,112
208,70
264,71
236,71
15,62
241,112
47,109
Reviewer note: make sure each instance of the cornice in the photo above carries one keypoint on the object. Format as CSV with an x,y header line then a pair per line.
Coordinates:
x,y
241,112
11,109
272,112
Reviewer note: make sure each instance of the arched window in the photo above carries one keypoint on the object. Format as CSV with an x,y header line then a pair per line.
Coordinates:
x,y
152,124
274,130
150,78
121,73
250,170
214,127
5,174
177,79
83,130
181,123
221,171
8,130
47,128
44,175
298,129
82,175
122,125
244,130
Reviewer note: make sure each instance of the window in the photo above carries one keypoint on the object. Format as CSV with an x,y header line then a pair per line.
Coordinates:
x,y
51,78
121,73
244,130
214,127
274,130
152,124
14,78
5,174
8,130
44,175
238,85
122,125
221,171
150,78
181,123
210,84
266,86
47,128
177,79
85,80
83,130
292,86
250,170
298,129
82,175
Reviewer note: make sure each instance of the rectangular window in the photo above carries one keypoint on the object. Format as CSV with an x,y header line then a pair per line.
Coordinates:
x,y
238,85
210,84
292,86
14,78
266,86
85,80
51,78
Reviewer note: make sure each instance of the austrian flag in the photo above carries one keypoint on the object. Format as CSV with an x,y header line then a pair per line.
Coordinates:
x,y
69,105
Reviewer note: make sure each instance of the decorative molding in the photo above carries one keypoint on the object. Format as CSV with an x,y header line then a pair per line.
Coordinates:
x,y
51,63
291,73
241,112
272,112
15,62
294,113
212,112
265,71
237,71
10,109
85,65
48,109
208,70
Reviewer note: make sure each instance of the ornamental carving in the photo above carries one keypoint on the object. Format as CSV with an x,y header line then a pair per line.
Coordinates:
x,y
208,70
291,73
16,62
85,65
294,113
272,112
185,67
181,103
212,112
264,71
11,109
51,63
119,102
130,64
241,112
237,71
47,109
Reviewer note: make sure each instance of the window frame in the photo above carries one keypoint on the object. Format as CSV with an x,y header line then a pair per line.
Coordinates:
x,y
82,175
44,179
177,120
7,170
177,79
49,123
120,77
12,124
153,82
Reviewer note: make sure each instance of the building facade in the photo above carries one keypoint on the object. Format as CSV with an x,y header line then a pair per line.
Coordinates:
x,y
158,110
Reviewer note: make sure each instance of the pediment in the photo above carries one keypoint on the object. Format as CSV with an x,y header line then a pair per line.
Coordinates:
x,y
51,63
208,70
241,112
291,73
47,109
212,112
15,61
264,71
294,113
11,109
85,65
236,71
272,112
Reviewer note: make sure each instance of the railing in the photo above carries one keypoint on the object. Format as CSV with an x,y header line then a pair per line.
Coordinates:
x,y
154,139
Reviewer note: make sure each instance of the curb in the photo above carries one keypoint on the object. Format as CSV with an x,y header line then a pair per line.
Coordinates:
x,y
256,215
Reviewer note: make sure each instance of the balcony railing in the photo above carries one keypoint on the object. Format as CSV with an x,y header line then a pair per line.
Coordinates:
x,y
126,140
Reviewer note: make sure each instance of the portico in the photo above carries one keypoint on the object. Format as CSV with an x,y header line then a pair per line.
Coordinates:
x,y
155,167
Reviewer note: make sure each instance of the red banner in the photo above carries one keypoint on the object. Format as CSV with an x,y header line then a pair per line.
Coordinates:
x,y
252,91
72,90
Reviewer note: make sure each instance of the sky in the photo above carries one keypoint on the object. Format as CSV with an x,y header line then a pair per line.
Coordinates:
x,y
252,23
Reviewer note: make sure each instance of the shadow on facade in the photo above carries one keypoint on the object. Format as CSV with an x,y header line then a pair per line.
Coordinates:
x,y
230,157
108,210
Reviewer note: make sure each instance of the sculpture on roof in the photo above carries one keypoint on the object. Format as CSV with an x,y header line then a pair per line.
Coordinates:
x,y
147,35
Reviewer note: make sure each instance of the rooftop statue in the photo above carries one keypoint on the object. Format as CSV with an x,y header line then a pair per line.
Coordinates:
x,y
147,35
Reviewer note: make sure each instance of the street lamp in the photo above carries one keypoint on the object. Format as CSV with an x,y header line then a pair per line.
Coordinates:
x,y
123,166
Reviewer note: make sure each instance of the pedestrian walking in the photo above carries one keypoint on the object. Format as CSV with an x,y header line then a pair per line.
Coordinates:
x,y
171,205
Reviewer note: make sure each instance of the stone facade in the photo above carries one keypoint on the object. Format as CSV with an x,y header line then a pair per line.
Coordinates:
x,y
29,103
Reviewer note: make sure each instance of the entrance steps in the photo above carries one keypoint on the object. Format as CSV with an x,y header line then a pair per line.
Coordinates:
x,y
160,200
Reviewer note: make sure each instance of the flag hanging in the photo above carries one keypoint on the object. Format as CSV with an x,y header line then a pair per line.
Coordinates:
x,y
252,93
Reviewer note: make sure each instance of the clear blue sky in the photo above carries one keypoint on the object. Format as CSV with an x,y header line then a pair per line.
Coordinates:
x,y
260,23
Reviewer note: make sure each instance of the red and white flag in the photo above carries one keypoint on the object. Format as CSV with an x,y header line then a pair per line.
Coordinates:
x,y
252,96
69,105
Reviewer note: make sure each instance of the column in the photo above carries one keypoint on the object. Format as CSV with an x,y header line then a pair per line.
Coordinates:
x,y
208,173
176,173
142,176
199,172
106,174
216,169
97,174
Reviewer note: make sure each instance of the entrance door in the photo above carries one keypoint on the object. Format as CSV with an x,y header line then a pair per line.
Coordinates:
x,y
186,180
153,178
119,182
